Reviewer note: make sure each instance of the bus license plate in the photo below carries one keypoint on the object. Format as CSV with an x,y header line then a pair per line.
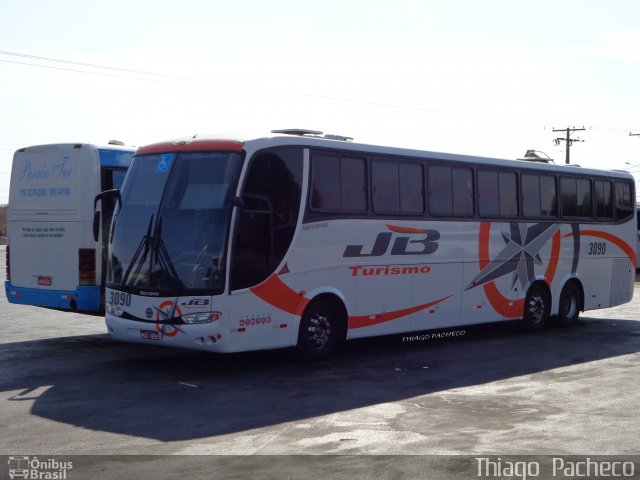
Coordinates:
x,y
45,281
149,335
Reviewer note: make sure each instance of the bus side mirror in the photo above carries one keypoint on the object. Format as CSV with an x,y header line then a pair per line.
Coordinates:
x,y
96,225
106,195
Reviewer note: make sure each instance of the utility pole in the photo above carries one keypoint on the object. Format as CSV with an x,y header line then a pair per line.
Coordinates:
x,y
568,139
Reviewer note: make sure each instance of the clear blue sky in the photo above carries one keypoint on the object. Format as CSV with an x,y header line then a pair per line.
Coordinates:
x,y
490,78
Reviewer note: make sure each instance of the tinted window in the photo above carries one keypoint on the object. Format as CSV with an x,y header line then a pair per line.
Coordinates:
x,y
411,188
440,190
462,180
583,191
450,190
325,187
338,183
508,194
353,186
569,197
548,196
488,194
386,187
539,198
530,195
624,200
397,187
604,199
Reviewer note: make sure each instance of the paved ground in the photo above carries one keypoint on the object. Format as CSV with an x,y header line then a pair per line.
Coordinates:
x,y
66,388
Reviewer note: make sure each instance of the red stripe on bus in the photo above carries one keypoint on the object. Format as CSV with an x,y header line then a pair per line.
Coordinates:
x,y
276,293
617,241
555,255
395,228
194,145
361,321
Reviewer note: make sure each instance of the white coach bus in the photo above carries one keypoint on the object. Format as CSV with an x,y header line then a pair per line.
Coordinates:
x,y
52,258
307,240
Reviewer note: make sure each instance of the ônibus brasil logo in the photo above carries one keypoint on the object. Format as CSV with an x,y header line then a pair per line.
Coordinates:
x,y
38,468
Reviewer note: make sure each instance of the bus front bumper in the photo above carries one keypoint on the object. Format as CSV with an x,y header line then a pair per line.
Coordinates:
x,y
205,337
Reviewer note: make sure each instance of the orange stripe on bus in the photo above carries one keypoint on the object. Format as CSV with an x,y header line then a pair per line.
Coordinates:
x,y
617,241
360,321
395,228
275,292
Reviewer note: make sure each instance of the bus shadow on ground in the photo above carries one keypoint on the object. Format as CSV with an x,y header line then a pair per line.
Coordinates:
x,y
171,395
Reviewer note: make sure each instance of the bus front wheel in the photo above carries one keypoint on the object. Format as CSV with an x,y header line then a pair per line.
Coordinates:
x,y
537,306
319,330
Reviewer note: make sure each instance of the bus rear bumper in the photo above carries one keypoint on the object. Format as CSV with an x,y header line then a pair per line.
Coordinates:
x,y
85,299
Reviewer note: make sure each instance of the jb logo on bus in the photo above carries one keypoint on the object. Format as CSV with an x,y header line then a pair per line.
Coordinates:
x,y
412,241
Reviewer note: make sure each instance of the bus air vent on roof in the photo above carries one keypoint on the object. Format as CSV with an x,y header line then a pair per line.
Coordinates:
x,y
312,133
297,131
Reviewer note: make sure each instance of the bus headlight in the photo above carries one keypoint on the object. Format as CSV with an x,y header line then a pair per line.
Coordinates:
x,y
202,317
113,310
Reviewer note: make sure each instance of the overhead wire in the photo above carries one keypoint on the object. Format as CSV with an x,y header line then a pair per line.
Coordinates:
x,y
209,84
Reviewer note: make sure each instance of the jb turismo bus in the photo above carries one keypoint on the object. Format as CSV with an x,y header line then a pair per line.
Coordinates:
x,y
52,259
304,240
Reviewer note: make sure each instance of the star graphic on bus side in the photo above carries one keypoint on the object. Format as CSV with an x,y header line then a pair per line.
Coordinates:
x,y
521,251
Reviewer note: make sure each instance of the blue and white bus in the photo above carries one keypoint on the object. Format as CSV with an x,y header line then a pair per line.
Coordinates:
x,y
52,258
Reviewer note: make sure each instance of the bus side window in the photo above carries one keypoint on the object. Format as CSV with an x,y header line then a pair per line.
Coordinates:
x,y
604,199
624,202
267,221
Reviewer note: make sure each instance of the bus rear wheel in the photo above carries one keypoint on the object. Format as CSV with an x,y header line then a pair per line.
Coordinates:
x,y
319,330
537,306
570,305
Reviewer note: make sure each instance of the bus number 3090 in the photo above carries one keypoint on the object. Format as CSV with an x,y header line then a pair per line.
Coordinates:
x,y
120,298
597,248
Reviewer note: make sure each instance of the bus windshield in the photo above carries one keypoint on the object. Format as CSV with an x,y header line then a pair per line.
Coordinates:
x,y
170,229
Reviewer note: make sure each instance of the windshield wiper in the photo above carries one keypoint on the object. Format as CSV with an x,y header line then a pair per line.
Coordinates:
x,y
144,247
163,258
152,249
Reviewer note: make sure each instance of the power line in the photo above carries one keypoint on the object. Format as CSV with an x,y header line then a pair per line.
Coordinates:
x,y
102,74
93,65
208,84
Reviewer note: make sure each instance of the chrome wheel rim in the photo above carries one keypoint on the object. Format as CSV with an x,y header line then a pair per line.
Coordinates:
x,y
318,331
536,308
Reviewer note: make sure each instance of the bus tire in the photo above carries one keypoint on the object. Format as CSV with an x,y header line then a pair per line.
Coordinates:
x,y
570,305
319,330
537,307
